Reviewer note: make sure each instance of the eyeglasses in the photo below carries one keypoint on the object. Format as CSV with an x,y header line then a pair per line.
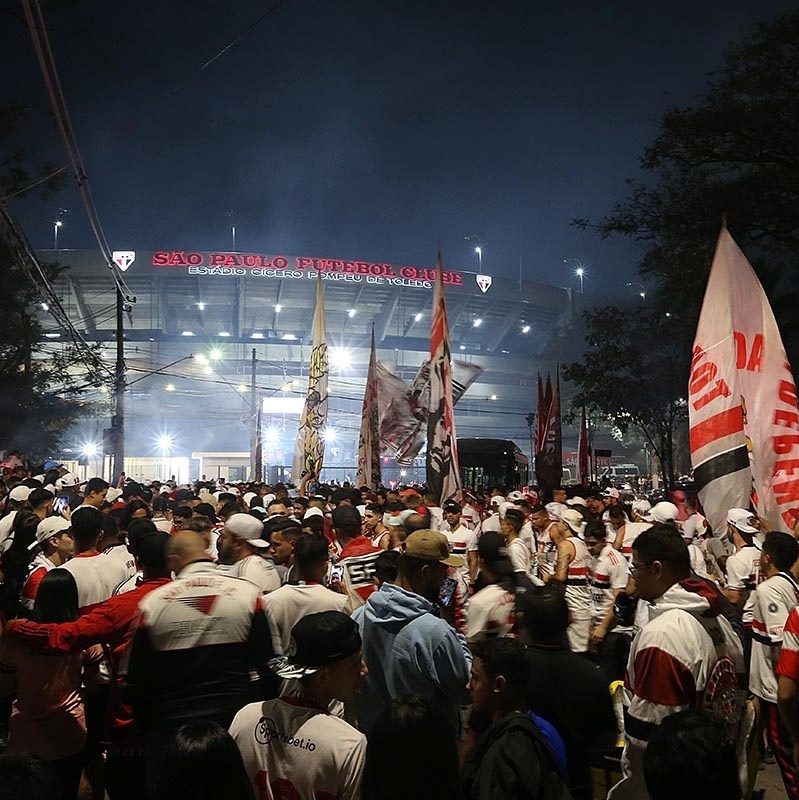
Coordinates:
x,y
635,567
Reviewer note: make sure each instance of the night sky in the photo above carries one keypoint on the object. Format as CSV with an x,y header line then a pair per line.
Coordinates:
x,y
368,130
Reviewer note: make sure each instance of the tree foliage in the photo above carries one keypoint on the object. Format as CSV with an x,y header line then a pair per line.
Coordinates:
x,y
39,385
634,374
734,153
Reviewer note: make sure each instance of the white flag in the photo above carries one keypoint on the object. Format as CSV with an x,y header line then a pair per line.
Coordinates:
x,y
309,449
742,398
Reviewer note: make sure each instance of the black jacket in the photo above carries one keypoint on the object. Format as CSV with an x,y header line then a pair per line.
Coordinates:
x,y
511,762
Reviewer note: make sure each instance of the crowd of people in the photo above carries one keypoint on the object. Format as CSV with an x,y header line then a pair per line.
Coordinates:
x,y
250,641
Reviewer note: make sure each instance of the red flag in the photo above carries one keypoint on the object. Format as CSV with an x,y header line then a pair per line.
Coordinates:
x,y
549,456
583,469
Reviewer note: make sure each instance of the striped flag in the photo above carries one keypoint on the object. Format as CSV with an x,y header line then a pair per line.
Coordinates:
x,y
742,405
549,448
443,475
369,437
309,449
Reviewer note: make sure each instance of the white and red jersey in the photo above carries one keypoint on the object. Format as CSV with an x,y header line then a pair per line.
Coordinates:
x,y
377,538
694,528
490,613
631,532
743,574
357,558
673,663
546,551
293,748
697,557
286,606
470,515
459,546
578,589
96,575
520,557
774,599
609,572
788,665
121,553
259,571
37,569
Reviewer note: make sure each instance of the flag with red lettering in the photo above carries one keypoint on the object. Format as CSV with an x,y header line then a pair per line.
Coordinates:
x,y
744,423
549,456
443,475
369,437
309,449
583,473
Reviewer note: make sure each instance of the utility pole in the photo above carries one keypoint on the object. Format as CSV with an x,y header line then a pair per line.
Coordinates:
x,y
118,420
530,419
254,433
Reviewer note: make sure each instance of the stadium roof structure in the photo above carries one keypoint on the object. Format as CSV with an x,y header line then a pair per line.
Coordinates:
x,y
247,317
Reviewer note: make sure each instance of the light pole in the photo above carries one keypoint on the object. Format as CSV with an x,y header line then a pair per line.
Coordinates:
x,y
56,225
478,248
231,215
580,269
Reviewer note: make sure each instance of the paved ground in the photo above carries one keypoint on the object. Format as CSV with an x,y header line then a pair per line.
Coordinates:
x,y
770,783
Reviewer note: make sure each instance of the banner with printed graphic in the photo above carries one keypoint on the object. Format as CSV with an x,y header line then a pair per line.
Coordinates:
x,y
309,450
549,455
744,422
443,474
583,466
369,436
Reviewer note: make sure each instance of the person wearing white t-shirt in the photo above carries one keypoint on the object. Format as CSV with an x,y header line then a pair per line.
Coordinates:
x,y
743,566
491,611
519,555
242,548
96,574
459,537
286,606
292,746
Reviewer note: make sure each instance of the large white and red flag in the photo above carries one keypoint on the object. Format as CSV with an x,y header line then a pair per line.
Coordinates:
x,y
369,437
443,474
309,449
742,405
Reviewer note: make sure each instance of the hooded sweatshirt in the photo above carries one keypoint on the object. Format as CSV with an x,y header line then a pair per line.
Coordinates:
x,y
409,649
674,663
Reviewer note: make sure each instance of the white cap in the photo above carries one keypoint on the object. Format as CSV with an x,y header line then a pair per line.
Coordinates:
x,y
556,510
505,507
247,527
514,496
641,506
249,496
577,501
67,480
313,511
663,512
113,494
574,520
19,494
49,526
742,519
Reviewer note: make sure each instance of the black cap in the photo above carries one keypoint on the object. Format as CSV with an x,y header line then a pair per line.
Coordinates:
x,y
152,550
317,641
346,517
452,506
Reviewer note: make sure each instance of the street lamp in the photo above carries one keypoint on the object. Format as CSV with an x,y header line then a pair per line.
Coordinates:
x,y
478,248
56,225
580,269
642,293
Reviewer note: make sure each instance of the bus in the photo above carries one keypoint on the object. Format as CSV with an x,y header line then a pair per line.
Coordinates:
x,y
492,462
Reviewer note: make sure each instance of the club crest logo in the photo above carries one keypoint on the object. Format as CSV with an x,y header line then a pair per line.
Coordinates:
x,y
484,282
123,258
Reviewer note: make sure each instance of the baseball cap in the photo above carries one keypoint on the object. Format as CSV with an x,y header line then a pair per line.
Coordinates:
x,y
641,506
396,520
247,527
49,526
409,493
514,496
313,511
431,546
662,512
249,496
576,501
19,494
113,494
317,641
67,480
741,518
493,550
452,507
574,520
498,500
611,492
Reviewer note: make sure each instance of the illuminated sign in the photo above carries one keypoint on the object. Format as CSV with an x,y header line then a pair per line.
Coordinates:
x,y
123,258
297,267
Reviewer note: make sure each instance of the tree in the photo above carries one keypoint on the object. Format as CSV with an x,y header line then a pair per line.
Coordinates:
x,y
634,374
40,390
734,153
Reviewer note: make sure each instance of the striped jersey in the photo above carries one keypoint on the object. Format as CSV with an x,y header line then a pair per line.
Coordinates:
x,y
609,571
578,587
743,574
774,599
788,665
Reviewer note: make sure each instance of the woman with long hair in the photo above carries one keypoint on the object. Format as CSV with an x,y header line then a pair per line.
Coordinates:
x,y
47,716
15,563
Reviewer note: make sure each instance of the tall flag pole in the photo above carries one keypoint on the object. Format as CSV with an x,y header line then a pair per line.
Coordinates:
x,y
369,437
309,449
742,404
583,474
443,474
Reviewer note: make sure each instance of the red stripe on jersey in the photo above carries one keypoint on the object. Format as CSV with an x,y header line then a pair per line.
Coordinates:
x,y
660,678
578,570
757,625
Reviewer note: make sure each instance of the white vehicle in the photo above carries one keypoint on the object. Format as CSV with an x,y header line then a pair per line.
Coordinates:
x,y
620,473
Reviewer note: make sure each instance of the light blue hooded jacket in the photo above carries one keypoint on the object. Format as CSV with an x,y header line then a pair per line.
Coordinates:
x,y
408,649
